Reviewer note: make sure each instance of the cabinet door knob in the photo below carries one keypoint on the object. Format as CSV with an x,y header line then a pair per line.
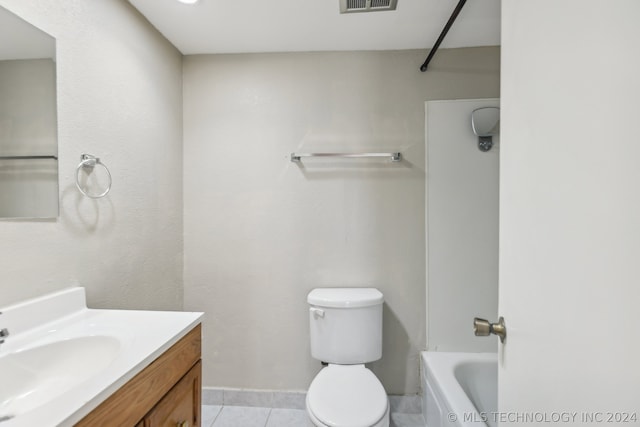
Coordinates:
x,y
183,424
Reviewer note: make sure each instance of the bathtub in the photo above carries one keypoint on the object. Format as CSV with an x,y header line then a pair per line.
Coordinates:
x,y
459,389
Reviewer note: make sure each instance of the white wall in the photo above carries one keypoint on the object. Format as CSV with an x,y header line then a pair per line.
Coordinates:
x,y
28,127
21,40
261,232
570,208
462,228
119,97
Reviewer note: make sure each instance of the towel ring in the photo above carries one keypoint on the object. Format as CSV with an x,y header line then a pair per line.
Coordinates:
x,y
87,161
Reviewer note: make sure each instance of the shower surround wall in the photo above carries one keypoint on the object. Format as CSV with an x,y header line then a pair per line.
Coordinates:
x,y
462,228
261,232
120,98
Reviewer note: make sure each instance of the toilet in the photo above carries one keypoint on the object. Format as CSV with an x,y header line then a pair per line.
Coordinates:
x,y
346,332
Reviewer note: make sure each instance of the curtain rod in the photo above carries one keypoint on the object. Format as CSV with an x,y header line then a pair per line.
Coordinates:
x,y
444,32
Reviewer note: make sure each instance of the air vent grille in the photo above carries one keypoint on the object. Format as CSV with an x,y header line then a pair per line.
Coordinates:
x,y
380,3
356,4
350,6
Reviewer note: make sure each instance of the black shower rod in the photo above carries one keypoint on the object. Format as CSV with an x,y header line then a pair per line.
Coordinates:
x,y
444,32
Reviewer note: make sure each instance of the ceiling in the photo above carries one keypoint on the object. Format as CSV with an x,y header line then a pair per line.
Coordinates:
x,y
239,26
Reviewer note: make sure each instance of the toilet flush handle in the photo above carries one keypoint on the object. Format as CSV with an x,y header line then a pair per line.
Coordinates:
x,y
316,312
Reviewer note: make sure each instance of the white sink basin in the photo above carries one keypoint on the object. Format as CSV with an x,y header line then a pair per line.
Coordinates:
x,y
62,359
34,376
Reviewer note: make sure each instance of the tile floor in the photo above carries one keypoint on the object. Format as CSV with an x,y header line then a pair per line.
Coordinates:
x,y
245,416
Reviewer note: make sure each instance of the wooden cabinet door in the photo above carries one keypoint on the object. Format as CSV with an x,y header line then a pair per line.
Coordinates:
x,y
181,406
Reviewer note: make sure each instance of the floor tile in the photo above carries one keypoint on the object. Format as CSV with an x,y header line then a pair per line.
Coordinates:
x,y
242,416
288,418
407,420
209,414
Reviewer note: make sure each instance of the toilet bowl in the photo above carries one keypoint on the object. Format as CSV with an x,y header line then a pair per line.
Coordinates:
x,y
347,396
346,333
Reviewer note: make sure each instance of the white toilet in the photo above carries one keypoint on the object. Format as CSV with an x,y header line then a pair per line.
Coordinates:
x,y
346,333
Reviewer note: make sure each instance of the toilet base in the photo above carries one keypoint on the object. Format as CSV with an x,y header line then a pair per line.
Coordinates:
x,y
314,422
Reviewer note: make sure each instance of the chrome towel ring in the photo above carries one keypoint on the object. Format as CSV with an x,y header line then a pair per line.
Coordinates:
x,y
88,162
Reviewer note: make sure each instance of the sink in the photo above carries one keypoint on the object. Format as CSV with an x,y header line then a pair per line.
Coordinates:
x,y
61,359
32,377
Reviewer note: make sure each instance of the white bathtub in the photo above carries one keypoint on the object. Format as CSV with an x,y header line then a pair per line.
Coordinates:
x,y
459,389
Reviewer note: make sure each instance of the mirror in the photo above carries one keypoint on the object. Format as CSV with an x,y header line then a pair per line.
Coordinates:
x,y
28,121
485,122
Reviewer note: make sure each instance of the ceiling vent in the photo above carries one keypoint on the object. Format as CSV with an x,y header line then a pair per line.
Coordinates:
x,y
350,6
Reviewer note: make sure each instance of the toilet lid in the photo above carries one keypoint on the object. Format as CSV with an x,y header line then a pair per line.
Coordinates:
x,y
347,396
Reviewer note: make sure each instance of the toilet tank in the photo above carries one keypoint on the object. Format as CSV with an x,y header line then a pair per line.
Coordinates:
x,y
346,325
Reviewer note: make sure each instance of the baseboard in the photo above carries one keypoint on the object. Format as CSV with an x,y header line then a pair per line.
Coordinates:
x,y
408,404
258,398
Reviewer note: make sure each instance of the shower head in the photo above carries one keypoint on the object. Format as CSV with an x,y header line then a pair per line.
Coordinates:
x,y
485,122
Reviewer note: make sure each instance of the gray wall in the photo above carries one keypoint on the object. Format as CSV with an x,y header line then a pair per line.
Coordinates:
x,y
261,232
120,98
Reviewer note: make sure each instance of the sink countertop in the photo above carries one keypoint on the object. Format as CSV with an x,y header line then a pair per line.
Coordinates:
x,y
63,316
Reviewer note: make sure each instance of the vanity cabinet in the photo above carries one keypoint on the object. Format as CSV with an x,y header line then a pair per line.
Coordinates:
x,y
165,393
181,406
